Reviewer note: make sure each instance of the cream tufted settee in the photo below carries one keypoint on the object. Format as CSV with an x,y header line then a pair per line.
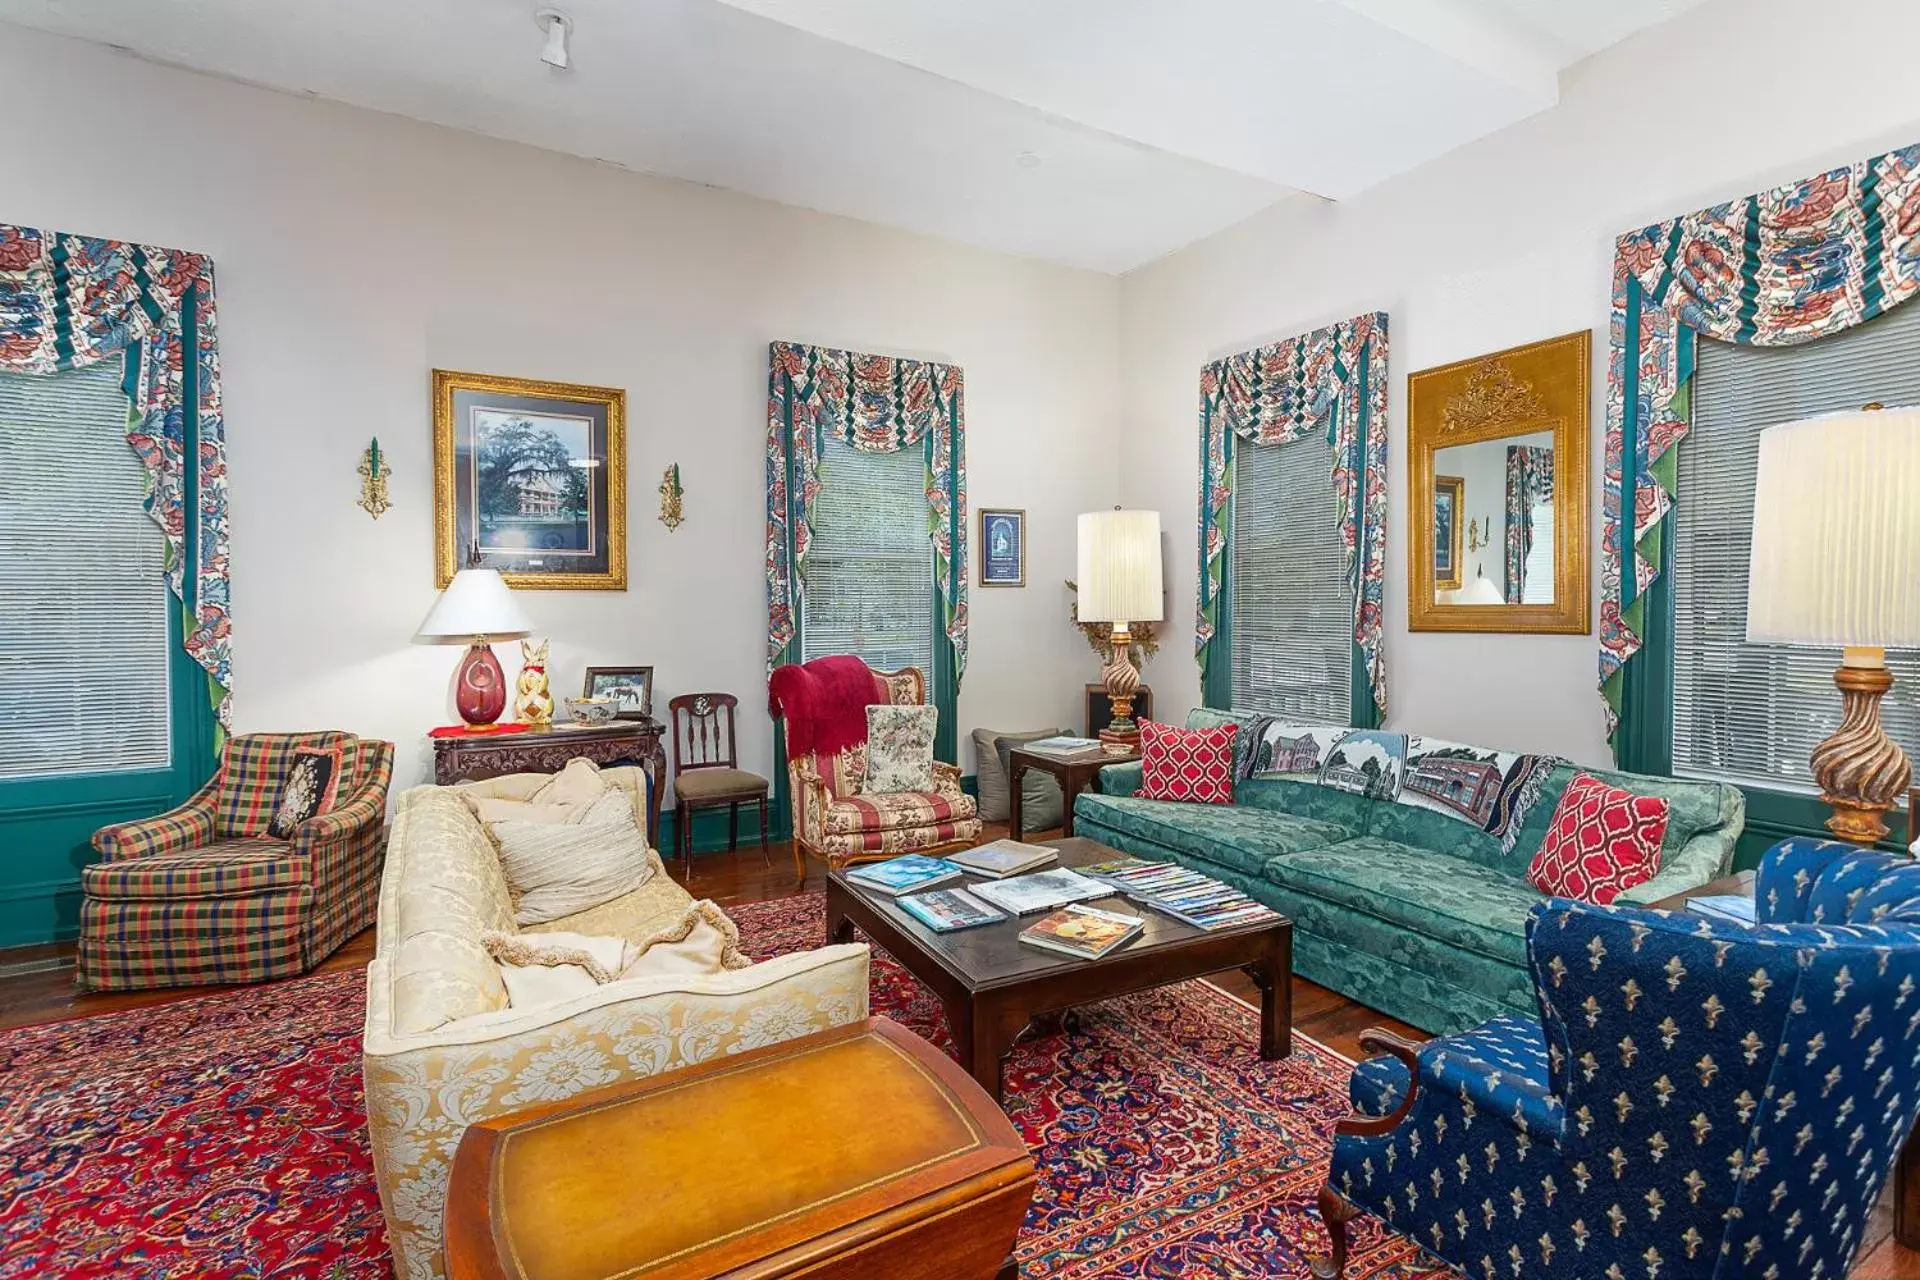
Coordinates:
x,y
443,1049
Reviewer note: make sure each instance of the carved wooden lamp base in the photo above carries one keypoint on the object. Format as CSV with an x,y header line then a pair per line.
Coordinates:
x,y
1122,735
1861,771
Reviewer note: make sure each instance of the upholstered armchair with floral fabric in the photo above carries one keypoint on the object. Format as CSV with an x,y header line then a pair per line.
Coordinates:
x,y
1699,1098
205,894
824,706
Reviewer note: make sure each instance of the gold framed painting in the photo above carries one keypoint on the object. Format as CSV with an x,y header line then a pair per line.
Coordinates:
x,y
1497,451
530,478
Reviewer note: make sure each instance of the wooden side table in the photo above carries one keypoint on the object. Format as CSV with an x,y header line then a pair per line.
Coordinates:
x,y
861,1153
469,757
1076,773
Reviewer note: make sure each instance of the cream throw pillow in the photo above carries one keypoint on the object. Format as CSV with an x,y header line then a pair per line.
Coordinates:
x,y
559,869
566,797
702,940
899,749
546,968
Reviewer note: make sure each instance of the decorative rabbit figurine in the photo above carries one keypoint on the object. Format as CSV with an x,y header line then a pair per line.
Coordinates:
x,y
535,701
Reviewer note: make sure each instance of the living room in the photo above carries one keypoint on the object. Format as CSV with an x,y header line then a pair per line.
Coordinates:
x,y
267,269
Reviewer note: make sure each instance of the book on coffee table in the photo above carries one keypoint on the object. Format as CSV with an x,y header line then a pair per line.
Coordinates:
x,y
1085,932
1041,891
910,874
1004,858
949,910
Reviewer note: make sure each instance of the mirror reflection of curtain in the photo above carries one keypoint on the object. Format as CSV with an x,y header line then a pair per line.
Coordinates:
x,y
1529,500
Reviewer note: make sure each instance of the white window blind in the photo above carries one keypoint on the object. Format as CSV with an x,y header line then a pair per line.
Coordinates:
x,y
1536,582
1754,713
1292,635
83,651
869,576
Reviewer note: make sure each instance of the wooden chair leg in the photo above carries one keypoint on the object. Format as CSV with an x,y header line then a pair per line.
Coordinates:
x,y
733,826
799,863
1336,1213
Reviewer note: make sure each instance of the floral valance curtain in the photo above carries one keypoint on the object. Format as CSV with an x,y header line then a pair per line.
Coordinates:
x,y
876,403
1789,265
1529,485
1332,381
68,301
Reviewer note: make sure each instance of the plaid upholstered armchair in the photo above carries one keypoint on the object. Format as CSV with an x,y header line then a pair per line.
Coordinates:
x,y
824,705
204,894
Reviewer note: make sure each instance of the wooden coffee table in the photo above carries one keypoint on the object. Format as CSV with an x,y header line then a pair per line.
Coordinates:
x,y
993,985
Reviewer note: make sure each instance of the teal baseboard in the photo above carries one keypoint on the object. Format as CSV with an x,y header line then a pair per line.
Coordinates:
x,y
38,911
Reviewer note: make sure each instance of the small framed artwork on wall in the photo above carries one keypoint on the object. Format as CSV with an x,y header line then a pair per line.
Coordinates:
x,y
530,478
1003,547
631,688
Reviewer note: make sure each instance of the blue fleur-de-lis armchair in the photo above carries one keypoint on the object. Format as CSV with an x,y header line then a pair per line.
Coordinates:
x,y
1698,1099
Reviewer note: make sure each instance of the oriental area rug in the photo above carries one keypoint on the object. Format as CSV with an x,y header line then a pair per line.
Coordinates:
x,y
225,1136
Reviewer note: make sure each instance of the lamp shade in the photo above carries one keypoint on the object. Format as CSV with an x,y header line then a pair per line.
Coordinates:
x,y
1836,532
1119,569
476,603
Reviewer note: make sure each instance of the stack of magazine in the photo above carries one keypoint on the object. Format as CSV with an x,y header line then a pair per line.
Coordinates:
x,y
1186,895
1041,891
1004,858
1086,933
910,874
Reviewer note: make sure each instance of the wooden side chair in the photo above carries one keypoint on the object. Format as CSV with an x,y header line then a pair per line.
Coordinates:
x,y
707,772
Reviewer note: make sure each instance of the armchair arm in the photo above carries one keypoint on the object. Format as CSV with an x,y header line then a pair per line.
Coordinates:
x,y
1380,1041
189,826
365,810
1120,779
1699,861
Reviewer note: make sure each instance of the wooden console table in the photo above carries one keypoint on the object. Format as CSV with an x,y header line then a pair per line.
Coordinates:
x,y
470,757
860,1153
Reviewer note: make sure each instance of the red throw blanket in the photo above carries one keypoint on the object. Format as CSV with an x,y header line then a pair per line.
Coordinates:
x,y
824,703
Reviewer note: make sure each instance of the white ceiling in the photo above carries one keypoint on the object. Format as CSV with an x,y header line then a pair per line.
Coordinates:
x,y
1100,133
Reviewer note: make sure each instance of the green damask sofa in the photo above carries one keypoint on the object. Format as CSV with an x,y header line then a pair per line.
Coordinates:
x,y
1408,911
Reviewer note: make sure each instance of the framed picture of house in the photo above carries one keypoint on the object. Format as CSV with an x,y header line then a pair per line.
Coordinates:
x,y
530,478
1003,547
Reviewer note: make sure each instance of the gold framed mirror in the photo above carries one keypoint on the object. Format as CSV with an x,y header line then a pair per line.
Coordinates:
x,y
1497,451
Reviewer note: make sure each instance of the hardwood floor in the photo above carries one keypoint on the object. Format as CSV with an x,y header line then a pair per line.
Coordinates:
x,y
36,985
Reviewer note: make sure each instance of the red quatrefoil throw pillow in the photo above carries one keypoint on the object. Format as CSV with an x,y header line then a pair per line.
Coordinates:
x,y
1194,766
1603,840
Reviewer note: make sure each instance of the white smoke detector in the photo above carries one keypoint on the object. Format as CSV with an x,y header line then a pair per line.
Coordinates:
x,y
558,27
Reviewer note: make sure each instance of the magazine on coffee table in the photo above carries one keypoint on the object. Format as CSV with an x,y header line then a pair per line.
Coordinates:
x,y
1086,933
948,910
910,874
1041,891
1004,858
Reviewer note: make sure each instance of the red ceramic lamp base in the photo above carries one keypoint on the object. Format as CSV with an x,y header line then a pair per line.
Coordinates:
x,y
480,686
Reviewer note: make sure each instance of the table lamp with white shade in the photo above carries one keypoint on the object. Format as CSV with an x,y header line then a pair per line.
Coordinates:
x,y
1836,561
1119,584
476,609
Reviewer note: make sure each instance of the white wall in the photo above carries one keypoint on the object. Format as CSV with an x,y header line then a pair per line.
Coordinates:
x,y
356,251
1504,242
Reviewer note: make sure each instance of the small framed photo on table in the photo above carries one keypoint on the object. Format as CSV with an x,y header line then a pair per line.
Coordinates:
x,y
631,688
1003,547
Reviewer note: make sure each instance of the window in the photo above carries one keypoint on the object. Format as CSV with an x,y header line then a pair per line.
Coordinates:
x,y
869,576
1754,713
84,654
1292,628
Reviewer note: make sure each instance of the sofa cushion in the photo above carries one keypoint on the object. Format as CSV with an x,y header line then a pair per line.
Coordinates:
x,y
225,869
1470,906
1237,836
1603,841
894,810
1193,766
450,891
1308,800
990,766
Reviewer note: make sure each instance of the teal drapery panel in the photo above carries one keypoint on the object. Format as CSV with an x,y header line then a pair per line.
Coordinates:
x,y
1529,483
880,404
1332,380
67,301
1796,263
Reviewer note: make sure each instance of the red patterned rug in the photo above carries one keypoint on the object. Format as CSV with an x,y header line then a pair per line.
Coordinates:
x,y
225,1136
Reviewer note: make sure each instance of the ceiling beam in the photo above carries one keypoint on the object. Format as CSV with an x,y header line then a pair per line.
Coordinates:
x,y
1470,35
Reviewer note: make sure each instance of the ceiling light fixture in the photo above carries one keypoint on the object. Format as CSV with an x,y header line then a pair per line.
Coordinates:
x,y
1027,160
558,27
